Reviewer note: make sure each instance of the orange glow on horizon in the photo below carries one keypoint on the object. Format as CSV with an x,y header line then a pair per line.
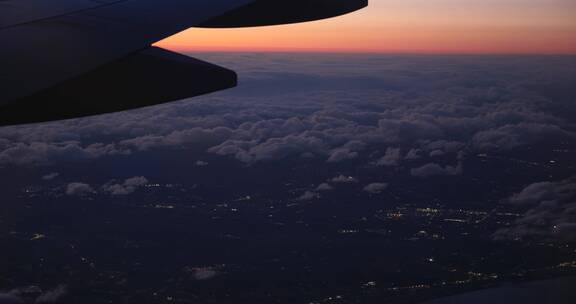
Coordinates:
x,y
410,26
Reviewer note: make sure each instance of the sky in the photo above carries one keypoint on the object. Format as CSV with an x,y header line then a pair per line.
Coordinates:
x,y
410,26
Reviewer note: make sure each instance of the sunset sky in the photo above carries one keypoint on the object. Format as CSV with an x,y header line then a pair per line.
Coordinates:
x,y
410,26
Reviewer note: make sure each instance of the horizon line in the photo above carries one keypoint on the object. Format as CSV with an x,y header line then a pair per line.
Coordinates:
x,y
364,52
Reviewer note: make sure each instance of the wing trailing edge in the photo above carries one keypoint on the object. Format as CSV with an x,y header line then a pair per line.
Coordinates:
x,y
146,78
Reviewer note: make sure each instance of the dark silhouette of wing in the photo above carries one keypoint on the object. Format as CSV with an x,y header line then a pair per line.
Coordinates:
x,y
71,58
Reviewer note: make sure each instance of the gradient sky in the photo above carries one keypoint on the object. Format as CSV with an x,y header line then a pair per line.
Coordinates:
x,y
410,26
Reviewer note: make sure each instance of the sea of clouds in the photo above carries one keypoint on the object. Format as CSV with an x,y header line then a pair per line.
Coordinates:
x,y
336,108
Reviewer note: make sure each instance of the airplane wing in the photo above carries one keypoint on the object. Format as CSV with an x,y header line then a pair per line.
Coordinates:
x,y
70,58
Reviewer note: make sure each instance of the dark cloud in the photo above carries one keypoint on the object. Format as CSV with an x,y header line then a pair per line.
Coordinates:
x,y
550,212
444,146
433,169
344,179
309,195
9,298
534,193
324,187
201,163
33,294
437,153
413,154
127,187
39,152
341,154
193,136
375,188
272,149
79,189
203,273
392,157
52,296
510,137
50,176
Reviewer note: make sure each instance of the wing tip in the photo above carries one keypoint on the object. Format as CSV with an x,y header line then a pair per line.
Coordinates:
x,y
150,77
264,13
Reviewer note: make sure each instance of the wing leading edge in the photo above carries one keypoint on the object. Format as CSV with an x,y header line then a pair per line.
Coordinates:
x,y
95,57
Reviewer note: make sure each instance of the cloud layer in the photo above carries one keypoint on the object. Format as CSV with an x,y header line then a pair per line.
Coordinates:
x,y
333,109
33,294
550,215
